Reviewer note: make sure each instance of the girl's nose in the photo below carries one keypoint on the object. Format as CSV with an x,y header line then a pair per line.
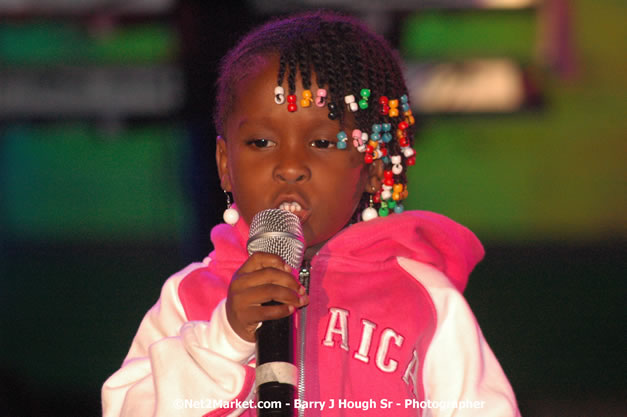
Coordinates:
x,y
292,169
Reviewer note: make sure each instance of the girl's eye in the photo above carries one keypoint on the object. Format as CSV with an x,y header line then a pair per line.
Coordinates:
x,y
322,144
261,143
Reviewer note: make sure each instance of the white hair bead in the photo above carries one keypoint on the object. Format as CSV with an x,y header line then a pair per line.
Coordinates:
x,y
279,95
408,152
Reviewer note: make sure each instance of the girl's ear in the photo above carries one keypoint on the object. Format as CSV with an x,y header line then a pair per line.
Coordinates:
x,y
375,176
222,162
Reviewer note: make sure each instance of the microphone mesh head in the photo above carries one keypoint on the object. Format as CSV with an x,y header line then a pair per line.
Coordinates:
x,y
278,232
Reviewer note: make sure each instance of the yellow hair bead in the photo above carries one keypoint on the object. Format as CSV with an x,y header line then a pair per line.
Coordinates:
x,y
307,98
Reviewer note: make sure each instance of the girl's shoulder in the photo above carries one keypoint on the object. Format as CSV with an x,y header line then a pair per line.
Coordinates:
x,y
199,288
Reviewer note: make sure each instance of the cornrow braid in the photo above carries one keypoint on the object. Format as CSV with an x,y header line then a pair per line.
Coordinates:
x,y
361,81
304,65
281,73
344,56
291,74
316,63
329,53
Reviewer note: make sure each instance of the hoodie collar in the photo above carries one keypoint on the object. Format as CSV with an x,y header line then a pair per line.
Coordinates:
x,y
422,236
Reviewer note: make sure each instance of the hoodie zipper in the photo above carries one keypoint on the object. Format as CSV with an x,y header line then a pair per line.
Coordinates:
x,y
303,276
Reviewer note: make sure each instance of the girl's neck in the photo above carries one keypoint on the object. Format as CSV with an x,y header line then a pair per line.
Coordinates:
x,y
311,251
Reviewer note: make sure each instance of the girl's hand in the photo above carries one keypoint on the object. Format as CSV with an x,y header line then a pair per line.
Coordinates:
x,y
263,277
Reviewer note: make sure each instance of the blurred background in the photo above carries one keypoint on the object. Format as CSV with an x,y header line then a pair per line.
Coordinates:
x,y
107,178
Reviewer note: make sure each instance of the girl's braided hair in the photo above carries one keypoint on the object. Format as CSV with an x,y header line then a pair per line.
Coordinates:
x,y
330,51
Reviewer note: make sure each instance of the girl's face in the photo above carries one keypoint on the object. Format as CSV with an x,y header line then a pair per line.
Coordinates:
x,y
270,156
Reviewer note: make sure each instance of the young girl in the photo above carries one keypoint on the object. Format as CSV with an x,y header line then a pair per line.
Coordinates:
x,y
313,117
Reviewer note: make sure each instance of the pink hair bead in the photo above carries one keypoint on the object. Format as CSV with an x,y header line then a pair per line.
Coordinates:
x,y
321,96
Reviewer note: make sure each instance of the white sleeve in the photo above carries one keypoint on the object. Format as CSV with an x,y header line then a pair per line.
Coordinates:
x,y
177,367
460,372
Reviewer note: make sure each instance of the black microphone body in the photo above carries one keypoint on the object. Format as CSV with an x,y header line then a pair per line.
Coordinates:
x,y
278,232
274,346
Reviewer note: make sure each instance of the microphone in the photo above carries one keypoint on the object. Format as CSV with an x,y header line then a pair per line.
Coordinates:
x,y
278,232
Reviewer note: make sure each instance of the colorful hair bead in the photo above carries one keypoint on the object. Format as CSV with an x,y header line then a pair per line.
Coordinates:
x,y
377,197
332,111
404,103
410,155
387,136
350,102
291,102
307,98
386,194
365,94
384,102
396,192
399,208
397,168
358,140
279,95
409,117
393,112
321,97
342,138
383,210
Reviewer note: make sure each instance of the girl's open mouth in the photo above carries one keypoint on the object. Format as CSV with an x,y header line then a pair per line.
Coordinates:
x,y
296,208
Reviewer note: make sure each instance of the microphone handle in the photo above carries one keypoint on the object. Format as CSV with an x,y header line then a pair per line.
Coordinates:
x,y
274,344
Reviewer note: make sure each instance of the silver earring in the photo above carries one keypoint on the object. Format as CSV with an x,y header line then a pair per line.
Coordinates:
x,y
230,216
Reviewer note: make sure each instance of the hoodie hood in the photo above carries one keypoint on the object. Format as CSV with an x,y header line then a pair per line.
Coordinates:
x,y
422,236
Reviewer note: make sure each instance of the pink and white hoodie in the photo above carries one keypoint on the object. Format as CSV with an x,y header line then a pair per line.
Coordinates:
x,y
388,332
